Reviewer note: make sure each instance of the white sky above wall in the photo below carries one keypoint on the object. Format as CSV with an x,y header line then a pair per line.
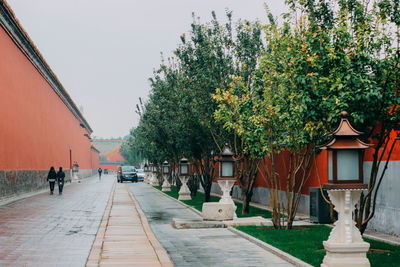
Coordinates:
x,y
103,52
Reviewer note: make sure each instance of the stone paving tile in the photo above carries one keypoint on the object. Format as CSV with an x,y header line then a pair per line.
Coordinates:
x,y
125,238
52,230
198,247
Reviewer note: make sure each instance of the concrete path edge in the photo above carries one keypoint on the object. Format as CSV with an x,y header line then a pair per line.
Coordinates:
x,y
180,202
97,246
289,258
158,248
285,256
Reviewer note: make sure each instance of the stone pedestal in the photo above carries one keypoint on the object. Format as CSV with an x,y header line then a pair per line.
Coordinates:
x,y
345,246
216,211
184,192
75,177
153,179
226,187
146,178
166,186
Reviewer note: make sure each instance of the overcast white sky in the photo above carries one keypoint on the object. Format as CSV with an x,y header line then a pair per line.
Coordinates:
x,y
103,52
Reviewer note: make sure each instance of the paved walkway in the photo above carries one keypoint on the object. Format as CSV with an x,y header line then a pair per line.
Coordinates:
x,y
52,230
197,247
125,237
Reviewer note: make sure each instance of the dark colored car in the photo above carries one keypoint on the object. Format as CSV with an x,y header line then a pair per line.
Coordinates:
x,y
127,173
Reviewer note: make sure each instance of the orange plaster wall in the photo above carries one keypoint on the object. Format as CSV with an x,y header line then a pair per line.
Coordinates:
x,y
395,154
111,167
313,181
95,160
115,155
37,128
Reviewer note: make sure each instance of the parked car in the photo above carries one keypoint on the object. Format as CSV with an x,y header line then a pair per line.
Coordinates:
x,y
127,173
140,174
105,171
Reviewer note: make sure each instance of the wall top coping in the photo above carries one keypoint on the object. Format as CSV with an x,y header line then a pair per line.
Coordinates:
x,y
20,37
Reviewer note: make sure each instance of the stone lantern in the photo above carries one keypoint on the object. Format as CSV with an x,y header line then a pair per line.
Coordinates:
x,y
345,246
153,176
146,173
225,209
75,171
166,186
184,172
226,178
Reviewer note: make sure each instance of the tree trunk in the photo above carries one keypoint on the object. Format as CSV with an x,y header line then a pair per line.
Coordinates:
x,y
246,202
207,190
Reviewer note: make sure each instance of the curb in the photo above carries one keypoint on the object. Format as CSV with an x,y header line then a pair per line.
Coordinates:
x,y
285,256
94,257
381,239
180,202
161,253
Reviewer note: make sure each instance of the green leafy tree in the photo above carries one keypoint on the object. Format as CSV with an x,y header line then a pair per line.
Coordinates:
x,y
357,70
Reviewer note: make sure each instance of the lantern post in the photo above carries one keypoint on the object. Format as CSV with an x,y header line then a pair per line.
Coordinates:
x,y
225,209
146,172
184,173
345,246
227,178
166,186
153,175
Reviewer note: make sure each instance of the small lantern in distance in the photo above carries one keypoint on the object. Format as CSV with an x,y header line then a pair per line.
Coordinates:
x,y
165,167
184,167
345,157
226,164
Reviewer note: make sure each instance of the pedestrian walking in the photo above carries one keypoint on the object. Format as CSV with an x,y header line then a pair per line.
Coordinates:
x,y
60,180
100,171
51,177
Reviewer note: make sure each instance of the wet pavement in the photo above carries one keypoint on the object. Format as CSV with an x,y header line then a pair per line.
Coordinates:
x,y
53,230
197,247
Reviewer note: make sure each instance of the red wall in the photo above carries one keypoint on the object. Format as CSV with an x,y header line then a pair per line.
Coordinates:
x,y
313,181
115,155
395,154
37,128
95,159
110,167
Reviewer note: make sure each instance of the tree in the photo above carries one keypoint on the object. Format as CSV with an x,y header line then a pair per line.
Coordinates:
x,y
359,73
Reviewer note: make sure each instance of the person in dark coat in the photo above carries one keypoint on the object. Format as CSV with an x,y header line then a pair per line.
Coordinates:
x,y
60,180
100,171
51,177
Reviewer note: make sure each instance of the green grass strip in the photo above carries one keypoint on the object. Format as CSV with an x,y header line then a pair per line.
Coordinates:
x,y
198,200
305,243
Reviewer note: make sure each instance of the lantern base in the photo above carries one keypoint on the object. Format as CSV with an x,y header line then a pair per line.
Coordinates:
x,y
184,192
166,186
154,180
226,187
345,246
216,211
75,178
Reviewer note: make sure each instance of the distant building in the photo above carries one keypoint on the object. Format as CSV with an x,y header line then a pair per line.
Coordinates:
x,y
110,156
40,124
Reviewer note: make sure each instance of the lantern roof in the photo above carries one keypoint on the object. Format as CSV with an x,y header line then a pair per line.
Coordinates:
x,y
226,155
184,160
165,163
345,137
345,128
227,152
